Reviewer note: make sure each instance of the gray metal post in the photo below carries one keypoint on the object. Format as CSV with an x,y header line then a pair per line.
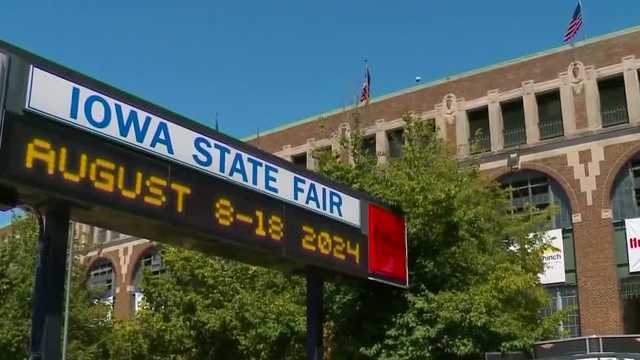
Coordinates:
x,y
46,321
315,315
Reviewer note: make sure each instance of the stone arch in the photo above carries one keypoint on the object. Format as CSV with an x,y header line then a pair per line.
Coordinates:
x,y
564,184
99,257
133,265
618,164
114,271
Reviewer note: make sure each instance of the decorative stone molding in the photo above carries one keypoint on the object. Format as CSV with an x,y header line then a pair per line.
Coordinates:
x,y
576,218
382,145
567,104
448,108
607,214
344,130
586,173
124,254
442,121
493,96
528,87
629,63
576,72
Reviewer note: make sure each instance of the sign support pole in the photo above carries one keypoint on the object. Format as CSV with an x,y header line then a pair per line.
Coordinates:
x,y
46,321
315,315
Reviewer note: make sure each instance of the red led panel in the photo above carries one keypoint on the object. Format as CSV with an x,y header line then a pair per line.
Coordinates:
x,y
387,246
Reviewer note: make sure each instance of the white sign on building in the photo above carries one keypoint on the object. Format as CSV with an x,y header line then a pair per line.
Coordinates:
x,y
633,243
553,258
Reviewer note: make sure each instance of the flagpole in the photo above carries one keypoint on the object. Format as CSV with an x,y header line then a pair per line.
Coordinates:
x,y
584,31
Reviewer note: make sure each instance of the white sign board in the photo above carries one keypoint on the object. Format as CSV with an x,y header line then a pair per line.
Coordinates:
x,y
553,258
633,243
91,111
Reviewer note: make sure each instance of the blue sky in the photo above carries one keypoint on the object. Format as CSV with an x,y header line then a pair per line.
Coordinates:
x,y
261,64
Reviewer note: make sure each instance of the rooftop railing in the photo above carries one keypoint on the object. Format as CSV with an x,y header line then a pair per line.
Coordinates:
x,y
550,128
514,137
614,115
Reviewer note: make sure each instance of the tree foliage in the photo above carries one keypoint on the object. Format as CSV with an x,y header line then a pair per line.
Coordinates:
x,y
473,274
89,322
210,308
473,266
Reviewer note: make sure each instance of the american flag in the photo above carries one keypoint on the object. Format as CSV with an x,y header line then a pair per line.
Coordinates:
x,y
366,86
575,24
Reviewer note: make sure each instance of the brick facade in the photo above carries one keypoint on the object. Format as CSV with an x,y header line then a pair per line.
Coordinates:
x,y
584,161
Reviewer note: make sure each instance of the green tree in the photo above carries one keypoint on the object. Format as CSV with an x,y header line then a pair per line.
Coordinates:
x,y
89,322
473,266
470,290
210,308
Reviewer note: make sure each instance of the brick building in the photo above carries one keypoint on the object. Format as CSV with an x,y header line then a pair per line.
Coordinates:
x,y
561,126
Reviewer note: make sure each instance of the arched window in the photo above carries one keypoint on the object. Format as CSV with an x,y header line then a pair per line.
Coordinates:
x,y
531,191
626,205
534,190
101,280
151,263
626,192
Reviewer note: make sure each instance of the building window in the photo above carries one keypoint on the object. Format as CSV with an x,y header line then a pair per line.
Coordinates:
x,y
613,101
550,115
532,191
535,191
626,205
565,298
101,280
626,193
396,141
300,159
431,124
369,146
513,123
480,140
152,264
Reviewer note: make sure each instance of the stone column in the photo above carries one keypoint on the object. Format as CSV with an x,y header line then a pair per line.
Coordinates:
x,y
382,142
95,236
531,118
312,163
441,122
285,153
335,143
632,88
567,104
462,129
344,134
592,98
496,126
